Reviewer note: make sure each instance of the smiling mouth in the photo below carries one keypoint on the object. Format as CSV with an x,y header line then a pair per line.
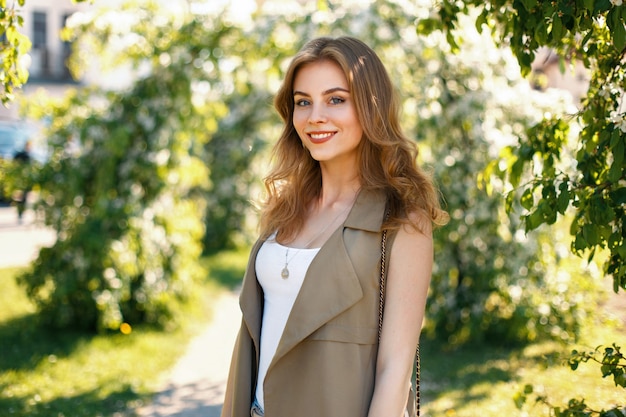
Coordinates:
x,y
320,137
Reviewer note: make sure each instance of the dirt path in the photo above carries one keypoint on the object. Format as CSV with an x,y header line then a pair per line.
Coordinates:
x,y
195,387
20,241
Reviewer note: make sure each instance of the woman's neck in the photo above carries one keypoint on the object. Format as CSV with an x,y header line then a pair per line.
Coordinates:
x,y
337,196
339,188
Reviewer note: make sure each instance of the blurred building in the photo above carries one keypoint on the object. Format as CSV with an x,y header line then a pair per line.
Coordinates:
x,y
47,59
43,21
547,73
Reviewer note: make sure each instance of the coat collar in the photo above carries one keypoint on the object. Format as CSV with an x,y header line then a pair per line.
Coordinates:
x,y
330,286
368,211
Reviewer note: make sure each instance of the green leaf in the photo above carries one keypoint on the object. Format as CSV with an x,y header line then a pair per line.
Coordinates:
x,y
557,31
563,199
586,39
528,200
508,202
618,196
481,20
519,399
548,192
617,148
591,235
515,172
534,220
619,32
454,46
614,240
529,4
606,370
615,172
428,26
615,138
617,145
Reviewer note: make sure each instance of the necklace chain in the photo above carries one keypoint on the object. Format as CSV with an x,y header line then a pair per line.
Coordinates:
x,y
284,273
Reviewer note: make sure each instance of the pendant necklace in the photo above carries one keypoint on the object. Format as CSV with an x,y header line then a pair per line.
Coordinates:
x,y
284,273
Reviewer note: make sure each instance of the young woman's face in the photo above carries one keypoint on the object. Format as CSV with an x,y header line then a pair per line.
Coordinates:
x,y
324,114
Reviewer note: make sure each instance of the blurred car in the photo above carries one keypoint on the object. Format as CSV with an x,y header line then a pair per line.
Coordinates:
x,y
22,139
14,139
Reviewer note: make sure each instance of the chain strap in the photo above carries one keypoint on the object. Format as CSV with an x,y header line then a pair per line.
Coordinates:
x,y
381,286
381,304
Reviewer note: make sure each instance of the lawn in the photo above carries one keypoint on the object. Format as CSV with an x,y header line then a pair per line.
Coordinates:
x,y
67,374
71,374
482,381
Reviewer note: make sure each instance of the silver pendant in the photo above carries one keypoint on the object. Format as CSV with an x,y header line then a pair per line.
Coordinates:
x,y
284,273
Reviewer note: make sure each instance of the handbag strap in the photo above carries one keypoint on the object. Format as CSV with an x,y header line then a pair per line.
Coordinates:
x,y
381,305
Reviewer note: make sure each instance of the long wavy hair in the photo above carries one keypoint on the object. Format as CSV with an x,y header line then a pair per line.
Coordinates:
x,y
387,158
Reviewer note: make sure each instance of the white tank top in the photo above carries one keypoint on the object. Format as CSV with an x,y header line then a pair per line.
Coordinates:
x,y
279,296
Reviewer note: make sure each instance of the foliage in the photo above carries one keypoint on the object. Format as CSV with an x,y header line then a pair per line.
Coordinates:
x,y
593,32
490,283
486,377
119,191
47,373
472,299
6,181
230,93
16,176
243,88
13,47
612,363
537,171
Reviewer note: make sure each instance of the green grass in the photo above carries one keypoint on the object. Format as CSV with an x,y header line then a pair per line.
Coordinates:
x,y
66,374
482,381
226,268
70,374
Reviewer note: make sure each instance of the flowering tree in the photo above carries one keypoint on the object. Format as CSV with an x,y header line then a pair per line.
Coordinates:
x,y
202,58
593,32
123,185
592,187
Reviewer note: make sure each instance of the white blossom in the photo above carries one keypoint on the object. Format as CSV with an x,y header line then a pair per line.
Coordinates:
x,y
619,120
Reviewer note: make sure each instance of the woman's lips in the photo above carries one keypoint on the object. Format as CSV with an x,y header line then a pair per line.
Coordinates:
x,y
320,137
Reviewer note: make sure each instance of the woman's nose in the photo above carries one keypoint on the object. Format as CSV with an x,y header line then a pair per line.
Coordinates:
x,y
318,114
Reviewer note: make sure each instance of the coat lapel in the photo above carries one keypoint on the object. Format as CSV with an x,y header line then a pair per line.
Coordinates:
x,y
251,299
331,284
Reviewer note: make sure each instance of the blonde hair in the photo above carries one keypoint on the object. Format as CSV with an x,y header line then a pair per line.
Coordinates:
x,y
387,157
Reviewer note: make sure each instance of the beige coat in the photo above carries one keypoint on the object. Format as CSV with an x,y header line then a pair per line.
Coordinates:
x,y
324,365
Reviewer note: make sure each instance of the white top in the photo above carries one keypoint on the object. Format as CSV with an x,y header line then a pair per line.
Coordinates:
x,y
279,296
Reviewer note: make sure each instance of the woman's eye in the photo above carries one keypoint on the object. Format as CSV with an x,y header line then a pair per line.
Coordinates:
x,y
336,100
302,102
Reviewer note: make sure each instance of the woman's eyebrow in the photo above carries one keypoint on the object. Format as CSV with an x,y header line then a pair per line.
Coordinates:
x,y
329,91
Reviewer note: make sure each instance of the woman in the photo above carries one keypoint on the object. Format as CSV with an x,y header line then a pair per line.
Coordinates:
x,y
308,344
